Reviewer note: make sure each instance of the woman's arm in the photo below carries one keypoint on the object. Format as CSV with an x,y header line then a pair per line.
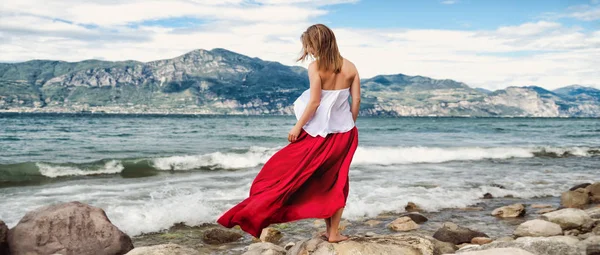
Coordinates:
x,y
313,102
355,92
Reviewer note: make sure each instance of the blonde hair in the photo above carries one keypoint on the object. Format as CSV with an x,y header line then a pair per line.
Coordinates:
x,y
321,40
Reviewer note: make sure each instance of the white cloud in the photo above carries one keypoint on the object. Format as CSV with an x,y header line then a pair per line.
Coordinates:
x,y
545,53
587,15
449,1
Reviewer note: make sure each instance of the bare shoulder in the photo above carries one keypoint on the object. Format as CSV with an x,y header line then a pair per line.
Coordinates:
x,y
351,68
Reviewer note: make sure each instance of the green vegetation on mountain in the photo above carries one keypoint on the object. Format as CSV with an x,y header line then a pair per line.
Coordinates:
x,y
223,82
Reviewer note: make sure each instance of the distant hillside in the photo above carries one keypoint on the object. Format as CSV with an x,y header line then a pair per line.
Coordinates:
x,y
223,82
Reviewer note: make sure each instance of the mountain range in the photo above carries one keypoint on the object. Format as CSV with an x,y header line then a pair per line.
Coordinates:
x,y
219,81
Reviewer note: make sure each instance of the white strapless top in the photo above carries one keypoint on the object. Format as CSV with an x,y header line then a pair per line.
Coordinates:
x,y
332,116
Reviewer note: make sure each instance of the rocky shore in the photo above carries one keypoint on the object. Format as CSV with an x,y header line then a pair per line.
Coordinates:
x,y
568,227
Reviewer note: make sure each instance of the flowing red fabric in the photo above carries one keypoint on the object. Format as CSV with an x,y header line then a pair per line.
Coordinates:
x,y
306,179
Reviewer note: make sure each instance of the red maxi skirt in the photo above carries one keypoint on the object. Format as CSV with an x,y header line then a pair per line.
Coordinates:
x,y
306,179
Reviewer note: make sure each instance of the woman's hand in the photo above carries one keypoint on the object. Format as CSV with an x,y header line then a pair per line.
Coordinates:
x,y
294,133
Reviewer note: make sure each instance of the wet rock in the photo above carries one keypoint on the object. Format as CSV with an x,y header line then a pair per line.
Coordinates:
x,y
584,236
452,233
538,228
541,206
443,247
594,192
343,225
481,240
578,186
509,196
575,199
372,223
416,217
391,244
593,249
289,245
220,236
547,210
67,228
163,249
412,207
568,218
498,186
591,245
370,234
556,245
593,212
572,232
270,235
3,238
510,211
498,251
487,196
466,246
264,248
403,224
504,239
596,230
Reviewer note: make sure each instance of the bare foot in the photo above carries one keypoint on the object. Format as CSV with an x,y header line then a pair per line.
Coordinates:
x,y
324,234
337,238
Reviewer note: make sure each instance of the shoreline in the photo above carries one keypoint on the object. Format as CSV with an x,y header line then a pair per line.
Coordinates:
x,y
490,223
475,217
241,114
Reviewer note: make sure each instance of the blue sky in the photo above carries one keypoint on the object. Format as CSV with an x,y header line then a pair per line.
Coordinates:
x,y
459,14
484,43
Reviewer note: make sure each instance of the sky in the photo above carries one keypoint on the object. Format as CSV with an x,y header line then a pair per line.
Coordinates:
x,y
491,44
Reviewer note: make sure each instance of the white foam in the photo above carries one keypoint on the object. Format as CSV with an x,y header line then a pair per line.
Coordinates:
x,y
53,171
231,160
410,155
364,156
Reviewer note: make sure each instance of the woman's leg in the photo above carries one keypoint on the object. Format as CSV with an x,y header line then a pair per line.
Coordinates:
x,y
334,231
326,232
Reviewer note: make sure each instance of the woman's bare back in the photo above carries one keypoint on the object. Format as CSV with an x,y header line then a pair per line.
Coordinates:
x,y
342,80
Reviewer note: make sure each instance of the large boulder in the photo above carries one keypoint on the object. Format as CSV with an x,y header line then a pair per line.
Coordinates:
x,y
593,212
498,251
452,233
264,248
3,238
163,249
578,198
403,224
568,218
391,245
555,245
220,236
594,192
538,228
67,228
510,211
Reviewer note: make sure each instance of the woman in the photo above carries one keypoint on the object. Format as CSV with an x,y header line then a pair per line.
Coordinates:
x,y
309,177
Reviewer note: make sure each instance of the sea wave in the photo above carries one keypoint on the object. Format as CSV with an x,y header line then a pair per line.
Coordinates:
x,y
53,171
252,157
412,155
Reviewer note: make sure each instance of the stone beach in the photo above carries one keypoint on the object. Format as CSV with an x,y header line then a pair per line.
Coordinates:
x,y
494,226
